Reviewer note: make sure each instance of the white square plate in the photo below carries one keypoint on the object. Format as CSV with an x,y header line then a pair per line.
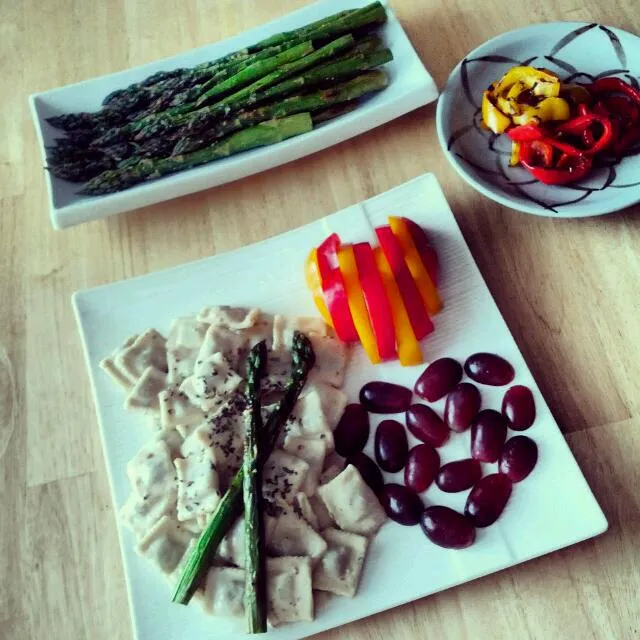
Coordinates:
x,y
551,509
410,87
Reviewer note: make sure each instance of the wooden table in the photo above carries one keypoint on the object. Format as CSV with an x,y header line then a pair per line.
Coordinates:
x,y
569,290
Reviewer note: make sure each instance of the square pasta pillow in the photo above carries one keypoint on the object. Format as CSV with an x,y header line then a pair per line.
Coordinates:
x,y
352,504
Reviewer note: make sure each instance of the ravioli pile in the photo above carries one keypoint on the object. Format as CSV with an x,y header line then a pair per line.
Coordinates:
x,y
319,516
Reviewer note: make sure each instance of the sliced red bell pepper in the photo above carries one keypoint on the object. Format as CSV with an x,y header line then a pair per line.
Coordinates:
x,y
577,127
426,286
357,304
542,136
314,282
614,85
626,140
408,347
564,147
619,106
569,168
541,151
333,289
418,315
526,133
625,119
427,252
376,299
588,139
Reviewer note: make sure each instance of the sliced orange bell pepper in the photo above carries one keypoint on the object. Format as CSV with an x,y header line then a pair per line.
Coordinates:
x,y
426,287
357,303
408,347
314,282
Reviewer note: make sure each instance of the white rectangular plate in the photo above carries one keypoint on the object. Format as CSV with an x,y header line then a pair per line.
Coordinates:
x,y
551,509
410,87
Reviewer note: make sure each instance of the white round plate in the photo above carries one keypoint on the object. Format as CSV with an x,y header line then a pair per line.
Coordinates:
x,y
576,51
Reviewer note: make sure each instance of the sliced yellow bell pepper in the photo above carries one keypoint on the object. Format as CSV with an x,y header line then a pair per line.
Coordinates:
x,y
357,303
508,107
524,95
546,89
409,352
492,117
545,111
314,282
515,154
528,76
516,89
426,287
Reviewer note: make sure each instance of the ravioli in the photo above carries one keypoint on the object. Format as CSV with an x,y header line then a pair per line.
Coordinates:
x,y
339,568
352,504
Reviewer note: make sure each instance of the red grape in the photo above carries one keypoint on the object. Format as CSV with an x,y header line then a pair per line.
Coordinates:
x,y
519,457
426,425
447,528
489,368
519,407
487,499
438,379
401,504
459,475
352,432
422,466
368,469
488,433
391,446
462,406
385,397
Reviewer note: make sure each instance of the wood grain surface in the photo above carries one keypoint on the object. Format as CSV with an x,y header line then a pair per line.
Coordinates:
x,y
569,290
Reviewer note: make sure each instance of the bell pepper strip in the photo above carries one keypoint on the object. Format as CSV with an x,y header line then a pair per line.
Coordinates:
x,y
376,300
427,252
526,133
333,289
569,168
577,127
620,107
614,85
408,347
523,95
541,152
583,109
588,139
314,283
507,107
426,286
626,140
517,88
534,133
357,304
492,117
514,160
392,250
549,109
530,78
